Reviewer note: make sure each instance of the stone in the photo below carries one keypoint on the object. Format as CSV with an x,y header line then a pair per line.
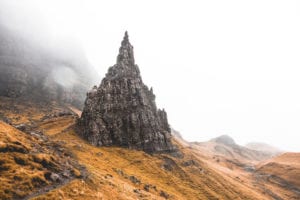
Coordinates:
x,y
122,110
21,127
54,177
138,191
147,187
66,174
189,163
168,164
134,180
164,194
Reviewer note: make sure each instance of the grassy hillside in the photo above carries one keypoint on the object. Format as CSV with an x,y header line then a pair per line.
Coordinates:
x,y
109,172
283,171
30,162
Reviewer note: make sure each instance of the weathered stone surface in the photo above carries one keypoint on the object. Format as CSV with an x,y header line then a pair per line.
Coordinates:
x,y
122,110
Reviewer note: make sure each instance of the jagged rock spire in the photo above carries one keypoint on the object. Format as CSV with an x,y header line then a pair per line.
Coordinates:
x,y
122,110
126,54
125,66
125,39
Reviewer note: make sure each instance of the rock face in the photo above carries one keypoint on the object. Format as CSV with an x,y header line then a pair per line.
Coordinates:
x,y
42,71
122,110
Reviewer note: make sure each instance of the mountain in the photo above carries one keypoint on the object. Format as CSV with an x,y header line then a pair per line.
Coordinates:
x,y
122,110
42,68
225,139
225,146
259,146
46,159
45,155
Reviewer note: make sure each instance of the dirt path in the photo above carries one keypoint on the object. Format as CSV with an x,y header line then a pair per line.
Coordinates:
x,y
48,188
63,181
75,110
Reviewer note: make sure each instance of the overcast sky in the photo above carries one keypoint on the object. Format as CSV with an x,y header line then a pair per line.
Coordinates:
x,y
217,67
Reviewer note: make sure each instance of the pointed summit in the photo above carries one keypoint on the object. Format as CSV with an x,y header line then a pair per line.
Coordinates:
x,y
122,112
126,54
125,66
125,38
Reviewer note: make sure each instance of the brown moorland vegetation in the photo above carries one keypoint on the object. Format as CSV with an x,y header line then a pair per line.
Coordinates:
x,y
113,172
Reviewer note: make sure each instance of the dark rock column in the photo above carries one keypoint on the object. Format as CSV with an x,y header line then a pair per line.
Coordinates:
x,y
122,110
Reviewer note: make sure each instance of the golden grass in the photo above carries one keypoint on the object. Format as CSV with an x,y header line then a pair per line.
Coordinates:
x,y
285,166
25,163
56,125
117,173
20,173
110,170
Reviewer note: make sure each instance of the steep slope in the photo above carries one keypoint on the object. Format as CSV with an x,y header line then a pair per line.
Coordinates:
x,y
41,70
30,163
282,171
119,173
272,177
122,110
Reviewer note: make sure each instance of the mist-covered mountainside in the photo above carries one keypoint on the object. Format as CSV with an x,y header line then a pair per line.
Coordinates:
x,y
224,145
260,146
41,67
118,145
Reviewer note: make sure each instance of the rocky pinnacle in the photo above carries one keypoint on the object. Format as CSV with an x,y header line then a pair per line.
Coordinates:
x,y
122,110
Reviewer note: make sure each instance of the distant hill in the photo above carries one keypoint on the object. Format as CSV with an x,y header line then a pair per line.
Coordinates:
x,y
225,139
224,145
48,151
259,146
50,161
42,156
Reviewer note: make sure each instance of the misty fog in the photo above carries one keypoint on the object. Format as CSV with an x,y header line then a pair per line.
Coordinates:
x,y
36,64
217,68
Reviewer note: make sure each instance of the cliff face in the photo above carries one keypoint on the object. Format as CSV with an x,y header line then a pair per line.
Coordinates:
x,y
122,110
42,71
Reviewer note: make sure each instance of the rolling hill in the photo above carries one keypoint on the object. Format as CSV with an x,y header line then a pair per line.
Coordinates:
x,y
82,171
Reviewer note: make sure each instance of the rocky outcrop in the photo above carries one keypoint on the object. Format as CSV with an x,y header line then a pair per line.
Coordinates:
x,y
122,110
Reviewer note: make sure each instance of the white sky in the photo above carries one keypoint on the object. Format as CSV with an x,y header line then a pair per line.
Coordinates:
x,y
217,67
